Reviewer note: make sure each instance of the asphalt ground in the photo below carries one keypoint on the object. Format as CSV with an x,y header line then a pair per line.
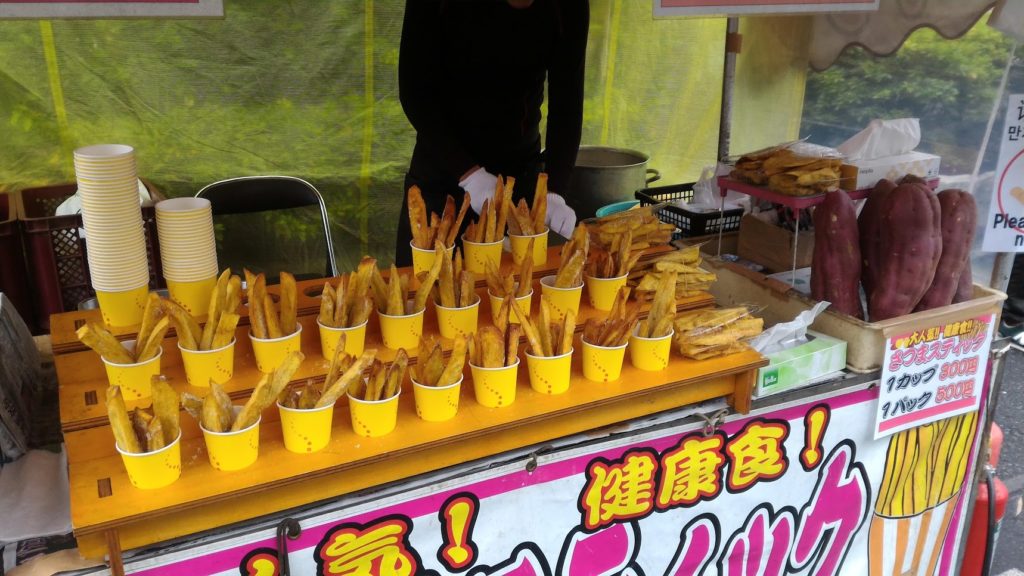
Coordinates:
x,y
1009,558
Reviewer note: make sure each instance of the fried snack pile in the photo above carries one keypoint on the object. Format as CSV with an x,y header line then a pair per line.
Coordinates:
x,y
644,224
572,258
526,221
144,430
106,345
497,346
504,285
265,319
216,413
616,261
546,336
350,303
456,286
788,172
616,328
490,226
431,369
384,381
390,296
344,370
444,229
703,334
691,279
663,309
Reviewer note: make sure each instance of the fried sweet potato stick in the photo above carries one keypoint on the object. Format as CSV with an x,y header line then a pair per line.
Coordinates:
x,y
120,424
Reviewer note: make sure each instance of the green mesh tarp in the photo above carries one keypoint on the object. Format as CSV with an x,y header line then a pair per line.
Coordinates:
x,y
309,89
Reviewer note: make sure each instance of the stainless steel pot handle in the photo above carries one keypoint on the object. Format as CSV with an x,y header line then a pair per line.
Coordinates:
x,y
653,175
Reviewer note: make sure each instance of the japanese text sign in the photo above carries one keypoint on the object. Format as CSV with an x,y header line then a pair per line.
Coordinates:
x,y
111,9
932,374
720,7
1004,228
799,489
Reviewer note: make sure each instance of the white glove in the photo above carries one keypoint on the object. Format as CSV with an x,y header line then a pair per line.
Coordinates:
x,y
480,186
560,218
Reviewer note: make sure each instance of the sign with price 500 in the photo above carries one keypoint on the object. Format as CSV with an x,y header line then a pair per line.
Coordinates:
x,y
932,374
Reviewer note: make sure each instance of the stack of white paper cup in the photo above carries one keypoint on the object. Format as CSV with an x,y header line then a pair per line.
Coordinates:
x,y
188,251
116,241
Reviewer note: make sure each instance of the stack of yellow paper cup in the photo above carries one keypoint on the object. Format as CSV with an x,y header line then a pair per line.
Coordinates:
x,y
115,240
188,251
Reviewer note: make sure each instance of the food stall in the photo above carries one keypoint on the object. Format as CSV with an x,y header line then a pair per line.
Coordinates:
x,y
712,455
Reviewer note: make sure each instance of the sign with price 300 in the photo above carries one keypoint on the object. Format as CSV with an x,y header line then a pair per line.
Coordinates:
x,y
932,374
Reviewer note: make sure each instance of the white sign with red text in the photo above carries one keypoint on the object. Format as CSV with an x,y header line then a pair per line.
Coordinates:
x,y
932,374
1004,228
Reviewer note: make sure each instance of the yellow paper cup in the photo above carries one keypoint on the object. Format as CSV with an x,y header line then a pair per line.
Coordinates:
x,y
134,379
561,299
602,363
202,366
650,353
355,339
550,374
437,403
122,308
153,469
193,296
233,450
521,243
374,418
602,291
524,302
422,259
401,331
454,322
495,387
271,352
479,254
306,431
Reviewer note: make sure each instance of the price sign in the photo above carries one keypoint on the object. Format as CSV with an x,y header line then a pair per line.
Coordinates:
x,y
1004,228
932,374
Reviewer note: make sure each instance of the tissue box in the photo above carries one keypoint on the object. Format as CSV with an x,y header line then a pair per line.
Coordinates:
x,y
867,173
820,357
772,246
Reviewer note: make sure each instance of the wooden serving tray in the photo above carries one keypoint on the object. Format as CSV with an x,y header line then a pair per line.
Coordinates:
x,y
83,378
105,505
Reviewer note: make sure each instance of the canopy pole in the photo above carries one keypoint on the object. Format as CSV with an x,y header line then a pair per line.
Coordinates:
x,y
733,42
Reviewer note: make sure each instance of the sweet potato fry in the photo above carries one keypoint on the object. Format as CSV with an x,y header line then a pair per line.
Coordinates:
x,y
120,424
528,327
267,391
568,330
540,202
152,346
341,385
327,296
512,344
396,299
453,233
342,312
544,328
272,318
427,283
166,409
418,217
218,412
570,274
193,405
225,332
453,369
490,230
155,435
257,309
150,315
103,343
492,343
289,303
396,374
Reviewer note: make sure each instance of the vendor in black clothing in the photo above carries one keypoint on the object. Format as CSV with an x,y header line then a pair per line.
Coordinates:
x,y
471,81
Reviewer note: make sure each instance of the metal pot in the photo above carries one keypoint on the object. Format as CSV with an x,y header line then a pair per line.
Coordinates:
x,y
604,175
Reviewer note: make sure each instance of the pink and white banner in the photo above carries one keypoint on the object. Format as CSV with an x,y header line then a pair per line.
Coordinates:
x,y
803,488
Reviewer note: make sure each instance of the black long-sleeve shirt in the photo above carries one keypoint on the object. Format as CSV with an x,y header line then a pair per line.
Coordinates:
x,y
471,81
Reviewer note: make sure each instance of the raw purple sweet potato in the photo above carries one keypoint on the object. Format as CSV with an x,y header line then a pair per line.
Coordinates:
x,y
836,263
965,286
911,248
959,217
869,224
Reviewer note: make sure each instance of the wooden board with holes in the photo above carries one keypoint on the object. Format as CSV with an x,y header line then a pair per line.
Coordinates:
x,y
83,379
102,498
63,326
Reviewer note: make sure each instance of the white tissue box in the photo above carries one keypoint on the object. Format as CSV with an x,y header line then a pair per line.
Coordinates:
x,y
867,173
820,358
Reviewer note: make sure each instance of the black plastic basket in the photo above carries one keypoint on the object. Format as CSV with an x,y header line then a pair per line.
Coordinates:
x,y
689,223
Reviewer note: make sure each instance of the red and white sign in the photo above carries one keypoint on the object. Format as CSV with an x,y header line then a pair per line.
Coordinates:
x,y
112,9
1004,228
748,7
932,374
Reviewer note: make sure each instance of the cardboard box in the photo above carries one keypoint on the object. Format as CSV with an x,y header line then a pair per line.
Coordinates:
x,y
820,357
772,246
867,173
801,283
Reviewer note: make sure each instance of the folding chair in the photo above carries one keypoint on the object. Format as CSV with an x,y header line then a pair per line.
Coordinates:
x,y
260,194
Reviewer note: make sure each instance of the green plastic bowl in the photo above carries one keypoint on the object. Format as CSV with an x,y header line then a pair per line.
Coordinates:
x,y
616,207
